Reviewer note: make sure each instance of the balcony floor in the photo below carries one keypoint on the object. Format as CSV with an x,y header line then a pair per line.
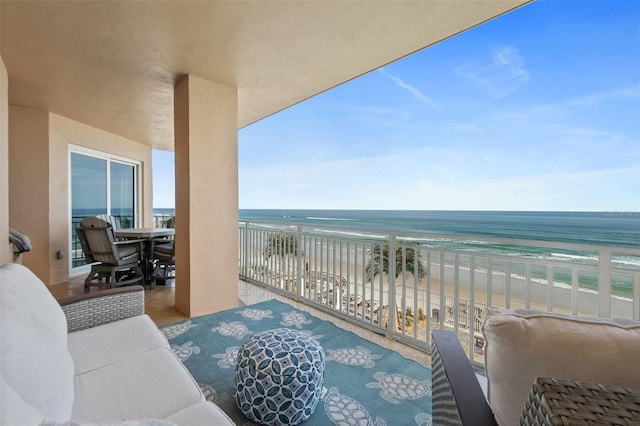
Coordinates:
x,y
160,306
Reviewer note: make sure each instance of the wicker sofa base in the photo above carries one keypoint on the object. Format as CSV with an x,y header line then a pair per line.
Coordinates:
x,y
567,402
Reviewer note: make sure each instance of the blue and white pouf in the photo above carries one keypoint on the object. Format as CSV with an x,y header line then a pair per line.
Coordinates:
x,y
279,377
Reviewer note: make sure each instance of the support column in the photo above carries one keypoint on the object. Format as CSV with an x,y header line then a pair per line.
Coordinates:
x,y
206,161
6,250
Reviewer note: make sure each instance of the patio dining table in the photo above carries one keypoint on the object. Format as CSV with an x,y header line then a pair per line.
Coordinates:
x,y
147,235
144,233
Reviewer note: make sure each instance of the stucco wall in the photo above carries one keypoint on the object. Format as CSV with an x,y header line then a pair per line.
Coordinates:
x,y
6,254
63,132
29,183
39,182
206,151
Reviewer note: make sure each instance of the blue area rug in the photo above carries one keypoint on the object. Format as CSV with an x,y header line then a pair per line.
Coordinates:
x,y
365,383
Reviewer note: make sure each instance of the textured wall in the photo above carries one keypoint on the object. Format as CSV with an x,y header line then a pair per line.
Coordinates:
x,y
64,132
39,182
29,183
206,148
6,254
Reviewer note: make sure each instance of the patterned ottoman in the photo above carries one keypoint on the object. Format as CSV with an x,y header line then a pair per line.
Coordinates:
x,y
279,377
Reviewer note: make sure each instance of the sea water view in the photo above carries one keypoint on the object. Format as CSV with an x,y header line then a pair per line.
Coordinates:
x,y
600,228
449,266
466,231
618,229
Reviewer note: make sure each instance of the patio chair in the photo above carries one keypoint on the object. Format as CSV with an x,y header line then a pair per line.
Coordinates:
x,y
163,257
171,222
118,260
522,347
112,220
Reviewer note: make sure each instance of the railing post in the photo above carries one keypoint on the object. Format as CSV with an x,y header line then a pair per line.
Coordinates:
x,y
245,250
636,297
299,262
604,283
392,284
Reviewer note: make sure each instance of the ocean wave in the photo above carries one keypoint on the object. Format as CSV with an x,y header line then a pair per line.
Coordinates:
x,y
632,262
270,226
340,219
542,281
348,233
482,248
574,256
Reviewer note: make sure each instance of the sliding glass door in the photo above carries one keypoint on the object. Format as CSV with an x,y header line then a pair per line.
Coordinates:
x,y
100,184
122,192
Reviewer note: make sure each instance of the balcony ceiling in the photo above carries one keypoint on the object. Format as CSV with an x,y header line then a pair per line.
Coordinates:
x,y
113,65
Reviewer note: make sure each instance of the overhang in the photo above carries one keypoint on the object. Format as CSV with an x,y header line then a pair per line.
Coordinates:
x,y
113,64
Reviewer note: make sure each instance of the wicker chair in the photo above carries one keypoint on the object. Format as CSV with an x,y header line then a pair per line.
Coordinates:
x,y
118,260
458,398
537,363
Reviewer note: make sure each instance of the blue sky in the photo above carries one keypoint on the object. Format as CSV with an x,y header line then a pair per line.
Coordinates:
x,y
536,110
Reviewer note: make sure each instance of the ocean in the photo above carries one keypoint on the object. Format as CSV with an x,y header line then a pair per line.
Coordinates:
x,y
621,229
617,229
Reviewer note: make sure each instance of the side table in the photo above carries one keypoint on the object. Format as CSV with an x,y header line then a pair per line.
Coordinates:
x,y
567,402
279,377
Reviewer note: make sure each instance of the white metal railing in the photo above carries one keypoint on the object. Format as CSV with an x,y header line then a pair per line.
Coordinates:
x,y
160,220
405,284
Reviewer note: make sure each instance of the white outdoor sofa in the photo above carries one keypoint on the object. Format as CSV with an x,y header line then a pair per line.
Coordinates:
x,y
95,359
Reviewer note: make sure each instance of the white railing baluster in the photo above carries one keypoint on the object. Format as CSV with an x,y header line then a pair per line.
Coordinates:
x,y
339,273
527,286
604,283
507,284
550,288
472,307
300,245
489,281
392,284
636,297
574,291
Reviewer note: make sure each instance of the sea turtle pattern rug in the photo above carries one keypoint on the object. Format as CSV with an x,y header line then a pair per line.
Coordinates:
x,y
365,384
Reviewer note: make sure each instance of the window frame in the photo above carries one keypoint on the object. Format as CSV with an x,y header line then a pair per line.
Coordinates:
x,y
108,158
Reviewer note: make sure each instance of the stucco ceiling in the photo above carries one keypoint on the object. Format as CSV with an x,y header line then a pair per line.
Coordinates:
x,y
113,65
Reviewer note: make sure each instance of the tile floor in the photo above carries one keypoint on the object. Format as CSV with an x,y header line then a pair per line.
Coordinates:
x,y
160,306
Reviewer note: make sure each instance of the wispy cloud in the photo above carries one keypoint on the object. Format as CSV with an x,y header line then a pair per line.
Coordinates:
x,y
378,116
394,180
504,75
609,95
411,89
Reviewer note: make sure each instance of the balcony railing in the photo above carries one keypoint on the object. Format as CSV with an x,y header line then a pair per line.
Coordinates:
x,y
161,220
403,285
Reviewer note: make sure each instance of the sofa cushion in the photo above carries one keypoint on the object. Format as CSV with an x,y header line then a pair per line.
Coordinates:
x,y
203,413
135,422
14,410
34,360
103,345
153,384
520,346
